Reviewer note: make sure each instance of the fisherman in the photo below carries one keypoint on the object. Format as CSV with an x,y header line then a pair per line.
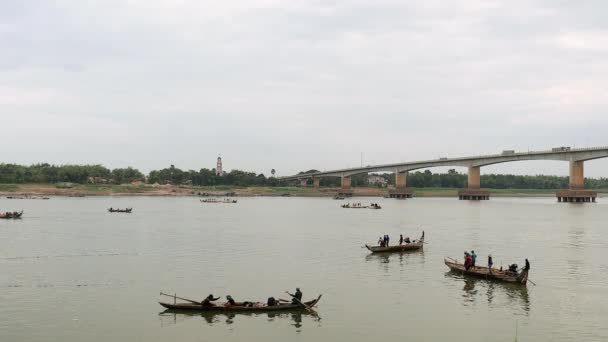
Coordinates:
x,y
467,260
400,239
474,258
380,241
387,240
490,263
208,301
527,266
407,239
297,297
230,300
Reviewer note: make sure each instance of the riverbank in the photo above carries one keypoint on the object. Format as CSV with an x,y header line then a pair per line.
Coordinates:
x,y
79,190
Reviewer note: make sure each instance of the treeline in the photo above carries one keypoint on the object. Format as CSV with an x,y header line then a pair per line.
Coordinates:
x,y
46,173
453,179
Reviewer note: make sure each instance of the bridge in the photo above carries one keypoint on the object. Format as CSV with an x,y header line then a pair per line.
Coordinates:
x,y
575,157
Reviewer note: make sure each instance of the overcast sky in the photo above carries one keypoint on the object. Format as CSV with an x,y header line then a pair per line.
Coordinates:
x,y
295,85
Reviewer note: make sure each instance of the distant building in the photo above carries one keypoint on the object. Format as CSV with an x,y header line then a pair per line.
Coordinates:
x,y
218,169
376,180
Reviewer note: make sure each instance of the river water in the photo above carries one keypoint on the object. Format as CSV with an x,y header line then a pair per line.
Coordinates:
x,y
71,271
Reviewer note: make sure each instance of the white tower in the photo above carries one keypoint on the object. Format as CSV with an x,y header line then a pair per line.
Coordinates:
x,y
218,169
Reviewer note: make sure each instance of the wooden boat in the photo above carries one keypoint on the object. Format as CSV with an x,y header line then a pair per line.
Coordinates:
x,y
126,210
11,215
257,307
338,197
412,246
214,200
483,273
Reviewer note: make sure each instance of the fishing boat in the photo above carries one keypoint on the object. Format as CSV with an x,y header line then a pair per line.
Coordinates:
x,y
255,307
507,276
215,200
118,210
11,215
353,206
405,247
338,197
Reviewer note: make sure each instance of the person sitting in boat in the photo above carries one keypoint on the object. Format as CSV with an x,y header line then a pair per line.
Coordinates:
x,y
407,239
513,268
230,300
296,297
468,261
208,301
380,242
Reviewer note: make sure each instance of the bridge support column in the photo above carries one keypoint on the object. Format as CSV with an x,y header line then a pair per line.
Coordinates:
x,y
345,183
345,189
316,182
577,192
473,190
400,190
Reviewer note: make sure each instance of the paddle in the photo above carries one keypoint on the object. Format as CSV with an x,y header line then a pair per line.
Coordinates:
x,y
308,308
533,283
188,300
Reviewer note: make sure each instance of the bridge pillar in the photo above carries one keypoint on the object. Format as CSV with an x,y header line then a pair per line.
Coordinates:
x,y
400,180
577,192
401,190
577,177
316,182
474,181
473,190
345,182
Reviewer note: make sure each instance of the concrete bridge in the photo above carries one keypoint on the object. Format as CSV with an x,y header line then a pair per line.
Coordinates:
x,y
576,158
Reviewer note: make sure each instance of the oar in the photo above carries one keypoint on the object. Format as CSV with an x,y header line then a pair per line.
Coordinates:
x,y
186,299
308,308
533,283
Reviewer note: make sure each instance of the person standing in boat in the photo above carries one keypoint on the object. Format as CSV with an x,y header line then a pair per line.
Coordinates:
x,y
490,263
296,297
527,266
400,239
208,301
387,240
380,242
473,258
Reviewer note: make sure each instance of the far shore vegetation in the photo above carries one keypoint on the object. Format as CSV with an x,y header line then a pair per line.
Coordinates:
x,y
99,179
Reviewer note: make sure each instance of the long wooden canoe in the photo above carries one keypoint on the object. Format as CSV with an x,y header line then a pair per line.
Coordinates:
x,y
484,273
11,215
117,210
412,246
257,307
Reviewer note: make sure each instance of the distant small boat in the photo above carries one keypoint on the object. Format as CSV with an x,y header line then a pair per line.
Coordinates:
x,y
483,272
117,210
412,246
359,206
11,215
338,197
215,200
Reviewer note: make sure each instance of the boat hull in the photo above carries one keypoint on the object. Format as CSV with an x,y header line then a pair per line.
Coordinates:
x,y
483,273
414,246
221,308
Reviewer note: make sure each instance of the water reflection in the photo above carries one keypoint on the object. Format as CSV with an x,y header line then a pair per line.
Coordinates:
x,y
402,258
172,317
494,292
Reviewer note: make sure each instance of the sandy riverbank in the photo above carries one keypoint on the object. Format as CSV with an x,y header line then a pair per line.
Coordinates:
x,y
79,190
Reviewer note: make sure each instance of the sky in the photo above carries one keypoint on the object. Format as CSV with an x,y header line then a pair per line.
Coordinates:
x,y
298,85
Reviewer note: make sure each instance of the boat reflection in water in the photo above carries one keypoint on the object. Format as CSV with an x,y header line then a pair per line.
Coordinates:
x,y
497,294
172,317
401,257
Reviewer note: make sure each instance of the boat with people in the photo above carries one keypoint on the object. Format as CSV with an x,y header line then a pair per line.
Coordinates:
x,y
272,305
359,206
511,275
215,200
118,210
404,246
338,197
11,215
